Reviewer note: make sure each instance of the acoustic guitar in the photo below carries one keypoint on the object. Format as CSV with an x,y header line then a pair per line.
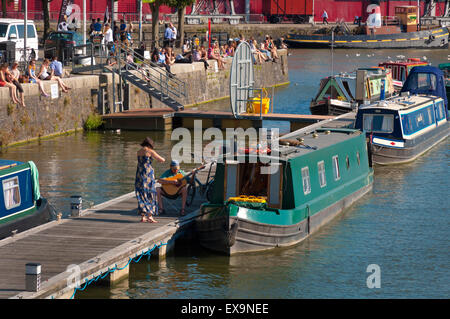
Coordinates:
x,y
173,189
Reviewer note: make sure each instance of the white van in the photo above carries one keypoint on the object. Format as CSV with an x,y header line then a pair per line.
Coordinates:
x,y
13,30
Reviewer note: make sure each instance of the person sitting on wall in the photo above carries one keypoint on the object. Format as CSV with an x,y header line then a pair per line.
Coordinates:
x,y
14,76
6,82
46,74
197,56
34,78
57,67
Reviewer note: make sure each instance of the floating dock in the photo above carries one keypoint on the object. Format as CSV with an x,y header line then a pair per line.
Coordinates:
x,y
162,119
100,243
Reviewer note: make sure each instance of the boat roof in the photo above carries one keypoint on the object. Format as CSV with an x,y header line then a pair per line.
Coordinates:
x,y
444,66
400,102
404,62
314,140
302,143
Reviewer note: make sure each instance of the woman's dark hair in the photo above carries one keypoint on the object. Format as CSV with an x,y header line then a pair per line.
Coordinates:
x,y
148,142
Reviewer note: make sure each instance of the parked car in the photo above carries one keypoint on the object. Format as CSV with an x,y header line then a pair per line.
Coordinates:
x,y
13,30
61,44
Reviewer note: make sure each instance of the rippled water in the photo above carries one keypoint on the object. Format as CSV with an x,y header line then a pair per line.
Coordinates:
x,y
402,225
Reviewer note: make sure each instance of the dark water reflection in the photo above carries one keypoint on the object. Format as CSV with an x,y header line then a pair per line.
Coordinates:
x,y
402,225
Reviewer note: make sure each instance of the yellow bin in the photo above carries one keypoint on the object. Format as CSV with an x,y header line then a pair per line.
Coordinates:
x,y
254,104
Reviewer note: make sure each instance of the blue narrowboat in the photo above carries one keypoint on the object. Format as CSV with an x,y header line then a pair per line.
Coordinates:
x,y
402,128
21,205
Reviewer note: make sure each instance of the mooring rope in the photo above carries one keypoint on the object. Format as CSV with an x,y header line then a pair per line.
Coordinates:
x,y
109,271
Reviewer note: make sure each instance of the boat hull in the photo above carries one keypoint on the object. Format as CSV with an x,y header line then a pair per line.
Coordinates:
x,y
328,107
40,216
233,235
383,155
437,38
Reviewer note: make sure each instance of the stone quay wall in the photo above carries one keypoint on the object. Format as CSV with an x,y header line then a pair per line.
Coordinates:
x,y
66,112
213,84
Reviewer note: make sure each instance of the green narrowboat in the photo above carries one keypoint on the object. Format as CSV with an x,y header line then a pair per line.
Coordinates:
x,y
21,205
278,197
340,94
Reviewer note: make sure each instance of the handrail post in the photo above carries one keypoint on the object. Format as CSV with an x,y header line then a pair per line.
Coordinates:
x,y
92,58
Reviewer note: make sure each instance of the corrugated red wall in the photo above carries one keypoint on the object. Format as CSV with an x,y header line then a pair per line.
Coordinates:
x,y
337,9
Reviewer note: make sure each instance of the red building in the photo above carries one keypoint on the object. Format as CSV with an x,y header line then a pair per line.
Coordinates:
x,y
336,9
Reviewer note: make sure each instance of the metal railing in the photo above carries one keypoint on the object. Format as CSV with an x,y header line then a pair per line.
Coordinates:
x,y
90,50
153,74
157,78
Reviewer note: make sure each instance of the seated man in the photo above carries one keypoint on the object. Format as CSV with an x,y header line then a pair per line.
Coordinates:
x,y
172,171
57,67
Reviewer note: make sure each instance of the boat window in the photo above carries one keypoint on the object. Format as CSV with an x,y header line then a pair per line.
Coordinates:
x,y
395,73
358,158
337,174
322,177
251,181
347,161
426,80
306,180
418,120
378,123
440,111
402,73
11,192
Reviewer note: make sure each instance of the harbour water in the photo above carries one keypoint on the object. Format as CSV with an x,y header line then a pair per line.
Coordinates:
x,y
402,225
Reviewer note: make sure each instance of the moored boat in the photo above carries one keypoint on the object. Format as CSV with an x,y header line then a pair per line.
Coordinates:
x,y
445,68
401,31
313,177
435,38
340,94
21,206
400,69
404,127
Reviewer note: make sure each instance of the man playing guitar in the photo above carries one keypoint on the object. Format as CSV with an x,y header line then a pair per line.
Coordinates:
x,y
177,179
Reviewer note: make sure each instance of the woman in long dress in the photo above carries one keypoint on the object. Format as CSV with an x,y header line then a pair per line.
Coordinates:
x,y
145,184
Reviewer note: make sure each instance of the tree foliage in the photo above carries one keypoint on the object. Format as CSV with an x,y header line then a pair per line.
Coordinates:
x,y
181,9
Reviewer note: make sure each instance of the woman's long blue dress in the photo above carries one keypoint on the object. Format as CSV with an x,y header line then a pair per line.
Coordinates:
x,y
145,186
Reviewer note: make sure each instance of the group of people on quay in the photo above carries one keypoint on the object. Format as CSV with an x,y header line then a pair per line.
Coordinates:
x,y
13,78
264,51
111,33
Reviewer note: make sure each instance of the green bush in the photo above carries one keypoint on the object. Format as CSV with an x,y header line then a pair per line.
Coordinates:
x,y
93,122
